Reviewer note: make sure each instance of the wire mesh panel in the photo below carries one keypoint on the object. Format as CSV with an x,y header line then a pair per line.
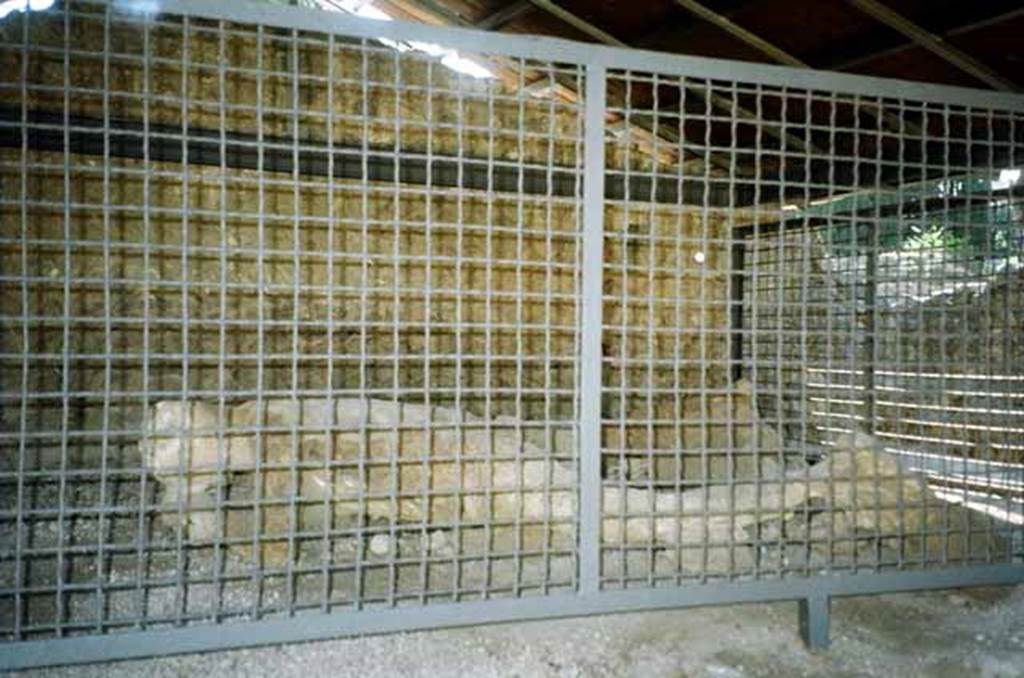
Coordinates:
x,y
885,269
792,380
289,321
375,324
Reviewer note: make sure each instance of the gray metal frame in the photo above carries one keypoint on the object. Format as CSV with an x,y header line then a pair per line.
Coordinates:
x,y
813,593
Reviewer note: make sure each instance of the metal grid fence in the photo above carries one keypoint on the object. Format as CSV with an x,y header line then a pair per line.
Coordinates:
x,y
848,219
302,325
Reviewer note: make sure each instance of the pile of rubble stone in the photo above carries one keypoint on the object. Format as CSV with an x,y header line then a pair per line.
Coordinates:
x,y
393,463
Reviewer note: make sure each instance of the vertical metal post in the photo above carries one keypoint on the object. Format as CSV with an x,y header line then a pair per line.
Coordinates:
x,y
814,620
736,310
870,292
590,339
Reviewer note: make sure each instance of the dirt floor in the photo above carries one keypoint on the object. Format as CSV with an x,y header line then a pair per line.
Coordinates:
x,y
977,633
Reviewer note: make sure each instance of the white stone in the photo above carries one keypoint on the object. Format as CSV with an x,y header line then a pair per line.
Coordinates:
x,y
502,476
380,545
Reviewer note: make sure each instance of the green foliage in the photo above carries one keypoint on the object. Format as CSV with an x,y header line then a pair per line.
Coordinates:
x,y
934,237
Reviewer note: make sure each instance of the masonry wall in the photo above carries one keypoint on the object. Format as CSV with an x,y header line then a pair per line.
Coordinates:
x,y
941,344
122,278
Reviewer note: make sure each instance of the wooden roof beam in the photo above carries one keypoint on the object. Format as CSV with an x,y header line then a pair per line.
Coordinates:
x,y
504,15
934,44
951,33
672,31
716,100
664,151
732,28
579,23
893,122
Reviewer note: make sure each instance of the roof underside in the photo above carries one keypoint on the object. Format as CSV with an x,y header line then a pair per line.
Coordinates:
x,y
824,34
968,44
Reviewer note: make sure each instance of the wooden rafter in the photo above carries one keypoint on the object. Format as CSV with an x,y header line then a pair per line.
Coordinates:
x,y
934,44
663,148
716,100
504,15
578,23
951,33
893,122
732,28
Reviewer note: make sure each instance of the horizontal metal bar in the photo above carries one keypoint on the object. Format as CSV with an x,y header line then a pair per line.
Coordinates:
x,y
568,51
317,626
242,151
124,139
912,207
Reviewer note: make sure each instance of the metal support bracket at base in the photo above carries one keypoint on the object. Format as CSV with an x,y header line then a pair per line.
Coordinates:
x,y
814,621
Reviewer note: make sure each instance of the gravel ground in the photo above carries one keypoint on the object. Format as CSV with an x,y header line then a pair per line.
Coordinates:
x,y
977,632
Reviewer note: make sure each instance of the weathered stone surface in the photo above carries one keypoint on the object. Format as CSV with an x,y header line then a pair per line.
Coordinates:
x,y
369,460
379,465
877,505
719,436
859,505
